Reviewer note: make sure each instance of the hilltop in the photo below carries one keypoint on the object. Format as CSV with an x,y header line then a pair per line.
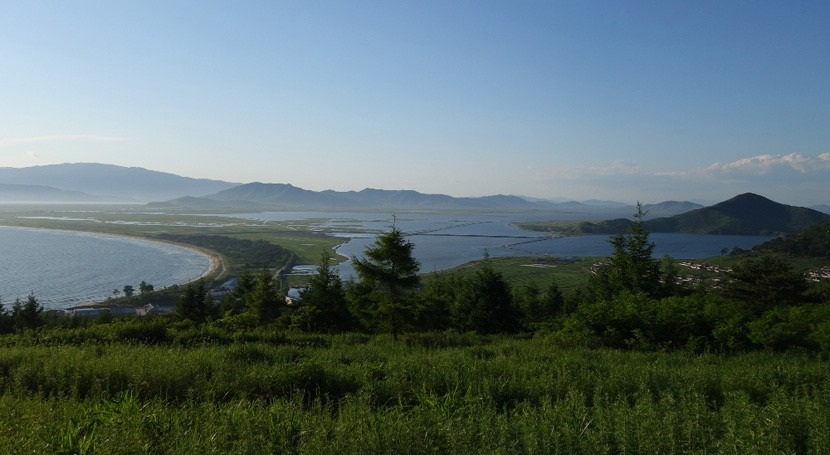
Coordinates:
x,y
745,214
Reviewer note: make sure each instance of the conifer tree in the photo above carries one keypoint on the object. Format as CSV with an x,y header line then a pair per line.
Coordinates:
x,y
390,271
323,305
632,267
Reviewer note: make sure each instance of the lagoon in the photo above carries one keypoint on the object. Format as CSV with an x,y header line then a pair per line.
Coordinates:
x,y
444,241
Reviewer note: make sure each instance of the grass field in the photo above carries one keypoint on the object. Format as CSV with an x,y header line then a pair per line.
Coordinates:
x,y
206,390
519,271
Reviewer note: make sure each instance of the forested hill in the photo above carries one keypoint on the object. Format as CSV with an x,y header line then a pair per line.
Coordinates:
x,y
745,214
811,242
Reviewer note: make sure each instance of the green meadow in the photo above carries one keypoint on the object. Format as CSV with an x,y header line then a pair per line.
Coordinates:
x,y
132,388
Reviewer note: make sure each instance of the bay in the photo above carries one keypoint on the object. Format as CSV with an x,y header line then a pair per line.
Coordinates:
x,y
64,268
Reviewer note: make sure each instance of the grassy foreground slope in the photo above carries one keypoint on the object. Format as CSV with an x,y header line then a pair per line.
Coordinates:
x,y
207,390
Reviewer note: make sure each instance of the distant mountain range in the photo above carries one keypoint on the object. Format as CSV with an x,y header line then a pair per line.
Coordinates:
x,y
281,196
40,193
745,214
101,183
89,182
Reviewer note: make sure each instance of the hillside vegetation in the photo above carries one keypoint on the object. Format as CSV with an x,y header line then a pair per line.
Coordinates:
x,y
208,390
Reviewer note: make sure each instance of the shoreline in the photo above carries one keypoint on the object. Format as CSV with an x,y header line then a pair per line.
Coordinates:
x,y
216,267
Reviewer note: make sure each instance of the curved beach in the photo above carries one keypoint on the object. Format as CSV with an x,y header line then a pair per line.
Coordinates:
x,y
71,268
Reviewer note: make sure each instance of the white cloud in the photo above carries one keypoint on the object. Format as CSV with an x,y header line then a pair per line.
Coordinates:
x,y
790,178
759,165
763,164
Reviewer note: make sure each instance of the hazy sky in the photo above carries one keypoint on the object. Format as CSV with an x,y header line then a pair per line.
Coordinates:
x,y
619,100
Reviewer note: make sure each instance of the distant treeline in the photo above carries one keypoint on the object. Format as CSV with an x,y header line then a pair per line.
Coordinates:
x,y
243,253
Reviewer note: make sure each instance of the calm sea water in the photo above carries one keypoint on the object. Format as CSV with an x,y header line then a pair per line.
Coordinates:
x,y
65,268
446,241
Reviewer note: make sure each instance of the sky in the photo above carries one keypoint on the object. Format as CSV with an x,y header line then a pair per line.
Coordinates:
x,y
613,100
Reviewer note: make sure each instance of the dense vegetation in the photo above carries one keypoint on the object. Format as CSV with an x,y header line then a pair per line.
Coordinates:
x,y
244,253
157,387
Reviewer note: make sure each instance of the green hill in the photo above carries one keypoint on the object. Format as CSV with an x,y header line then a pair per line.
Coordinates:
x,y
745,214
813,241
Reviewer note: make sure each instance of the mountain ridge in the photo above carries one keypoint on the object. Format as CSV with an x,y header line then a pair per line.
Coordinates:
x,y
112,182
284,196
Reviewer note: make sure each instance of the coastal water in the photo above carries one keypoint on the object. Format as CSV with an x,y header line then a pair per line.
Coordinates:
x,y
65,269
445,241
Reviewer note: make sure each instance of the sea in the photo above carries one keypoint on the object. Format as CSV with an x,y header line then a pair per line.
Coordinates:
x,y
65,268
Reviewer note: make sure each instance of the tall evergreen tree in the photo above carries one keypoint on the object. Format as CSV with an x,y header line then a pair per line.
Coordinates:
x,y
486,303
27,315
323,304
432,309
391,272
632,267
193,302
264,300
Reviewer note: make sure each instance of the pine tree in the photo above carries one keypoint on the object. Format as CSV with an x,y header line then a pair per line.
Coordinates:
x,y
27,315
486,303
632,267
193,303
263,300
391,272
323,305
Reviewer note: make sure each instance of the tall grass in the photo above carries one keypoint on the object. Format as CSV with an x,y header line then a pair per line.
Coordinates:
x,y
457,393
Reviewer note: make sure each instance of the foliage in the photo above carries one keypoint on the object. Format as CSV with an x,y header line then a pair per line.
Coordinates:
x,y
485,304
264,301
249,254
632,267
766,282
128,291
194,303
390,272
442,393
813,241
27,315
323,305
145,288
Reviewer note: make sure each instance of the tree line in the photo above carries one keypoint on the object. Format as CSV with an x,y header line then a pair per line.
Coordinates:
x,y
632,301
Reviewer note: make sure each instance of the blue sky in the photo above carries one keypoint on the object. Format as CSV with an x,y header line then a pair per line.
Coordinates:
x,y
626,101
